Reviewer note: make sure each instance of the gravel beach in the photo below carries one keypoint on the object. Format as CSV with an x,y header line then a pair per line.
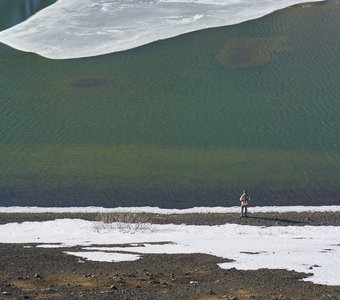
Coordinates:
x,y
29,272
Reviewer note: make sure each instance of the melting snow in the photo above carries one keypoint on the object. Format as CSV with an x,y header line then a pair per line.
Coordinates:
x,y
309,249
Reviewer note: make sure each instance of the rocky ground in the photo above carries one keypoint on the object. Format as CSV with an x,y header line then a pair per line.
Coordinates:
x,y
28,272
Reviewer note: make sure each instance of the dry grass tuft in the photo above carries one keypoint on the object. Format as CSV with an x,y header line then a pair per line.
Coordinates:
x,y
126,222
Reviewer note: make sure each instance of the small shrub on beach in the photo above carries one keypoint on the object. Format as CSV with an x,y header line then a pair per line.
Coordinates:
x,y
126,222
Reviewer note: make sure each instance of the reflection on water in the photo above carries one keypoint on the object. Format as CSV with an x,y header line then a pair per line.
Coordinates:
x,y
183,122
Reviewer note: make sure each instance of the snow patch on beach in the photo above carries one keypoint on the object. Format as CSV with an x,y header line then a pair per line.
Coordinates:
x,y
82,28
309,249
157,210
165,211
104,256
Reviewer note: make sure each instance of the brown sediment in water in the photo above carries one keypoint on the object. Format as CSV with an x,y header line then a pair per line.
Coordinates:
x,y
250,52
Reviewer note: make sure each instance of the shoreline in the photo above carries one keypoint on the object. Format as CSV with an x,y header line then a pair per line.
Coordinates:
x,y
210,219
150,209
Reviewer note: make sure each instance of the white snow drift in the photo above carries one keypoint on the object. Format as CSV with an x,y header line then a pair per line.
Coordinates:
x,y
157,210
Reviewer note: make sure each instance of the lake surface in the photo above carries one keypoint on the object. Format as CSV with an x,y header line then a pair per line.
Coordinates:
x,y
15,11
183,122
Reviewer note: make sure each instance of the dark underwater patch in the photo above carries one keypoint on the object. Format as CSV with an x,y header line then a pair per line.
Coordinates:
x,y
91,83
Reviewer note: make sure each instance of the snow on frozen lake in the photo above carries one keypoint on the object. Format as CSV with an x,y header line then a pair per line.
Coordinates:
x,y
81,28
309,249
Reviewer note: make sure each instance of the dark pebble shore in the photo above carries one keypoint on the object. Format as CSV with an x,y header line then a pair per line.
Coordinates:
x,y
28,272
257,219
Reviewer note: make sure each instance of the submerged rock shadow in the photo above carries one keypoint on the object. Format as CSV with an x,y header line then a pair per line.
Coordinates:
x,y
92,82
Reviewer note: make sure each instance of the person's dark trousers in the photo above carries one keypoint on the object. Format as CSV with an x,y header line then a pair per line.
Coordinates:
x,y
243,211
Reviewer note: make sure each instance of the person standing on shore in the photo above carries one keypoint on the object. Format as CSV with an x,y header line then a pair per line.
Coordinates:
x,y
244,199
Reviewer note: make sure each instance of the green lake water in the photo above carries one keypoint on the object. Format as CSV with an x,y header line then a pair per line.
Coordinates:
x,y
13,12
183,122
